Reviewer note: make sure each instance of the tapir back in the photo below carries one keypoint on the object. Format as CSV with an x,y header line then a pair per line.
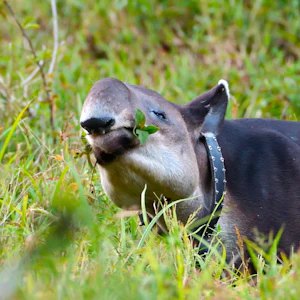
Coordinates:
x,y
262,159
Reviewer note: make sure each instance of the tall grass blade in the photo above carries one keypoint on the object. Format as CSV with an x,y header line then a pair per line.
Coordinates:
x,y
155,219
12,130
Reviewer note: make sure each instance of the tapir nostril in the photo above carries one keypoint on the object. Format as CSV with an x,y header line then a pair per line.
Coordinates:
x,y
98,125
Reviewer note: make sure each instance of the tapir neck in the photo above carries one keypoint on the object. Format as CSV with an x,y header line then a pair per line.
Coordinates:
x,y
200,202
205,187
193,205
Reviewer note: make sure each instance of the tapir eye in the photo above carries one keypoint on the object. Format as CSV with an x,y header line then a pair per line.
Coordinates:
x,y
160,114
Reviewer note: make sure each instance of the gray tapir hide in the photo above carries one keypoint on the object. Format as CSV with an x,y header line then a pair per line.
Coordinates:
x,y
262,159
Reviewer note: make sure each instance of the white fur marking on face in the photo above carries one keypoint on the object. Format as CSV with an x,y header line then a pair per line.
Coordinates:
x,y
85,131
226,86
90,140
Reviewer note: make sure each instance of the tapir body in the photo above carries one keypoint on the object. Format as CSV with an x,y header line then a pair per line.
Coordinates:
x,y
261,157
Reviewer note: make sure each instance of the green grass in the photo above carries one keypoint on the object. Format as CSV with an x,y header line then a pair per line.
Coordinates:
x,y
60,237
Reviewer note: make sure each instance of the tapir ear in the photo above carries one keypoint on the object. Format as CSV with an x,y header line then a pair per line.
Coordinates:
x,y
207,111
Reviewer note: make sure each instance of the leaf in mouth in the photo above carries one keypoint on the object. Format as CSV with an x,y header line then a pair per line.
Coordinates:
x,y
141,131
140,119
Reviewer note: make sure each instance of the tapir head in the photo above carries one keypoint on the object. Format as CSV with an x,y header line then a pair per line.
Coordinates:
x,y
172,162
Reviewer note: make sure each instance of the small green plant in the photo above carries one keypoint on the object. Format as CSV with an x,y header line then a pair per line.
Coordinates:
x,y
140,130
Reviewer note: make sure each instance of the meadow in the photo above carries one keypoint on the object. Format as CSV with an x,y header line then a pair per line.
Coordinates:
x,y
61,238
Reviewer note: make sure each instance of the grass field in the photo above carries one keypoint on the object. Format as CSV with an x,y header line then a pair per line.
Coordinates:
x,y
60,236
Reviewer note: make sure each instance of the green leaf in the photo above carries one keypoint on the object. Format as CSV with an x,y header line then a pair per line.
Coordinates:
x,y
140,130
27,21
142,135
32,25
151,129
140,119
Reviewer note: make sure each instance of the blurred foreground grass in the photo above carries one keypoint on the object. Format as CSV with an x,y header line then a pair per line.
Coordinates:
x,y
59,238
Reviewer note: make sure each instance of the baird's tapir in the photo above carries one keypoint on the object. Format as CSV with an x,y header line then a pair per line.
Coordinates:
x,y
252,166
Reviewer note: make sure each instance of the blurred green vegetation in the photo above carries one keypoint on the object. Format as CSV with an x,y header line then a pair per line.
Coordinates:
x,y
59,237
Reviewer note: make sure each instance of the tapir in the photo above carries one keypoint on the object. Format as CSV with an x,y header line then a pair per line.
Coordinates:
x,y
258,160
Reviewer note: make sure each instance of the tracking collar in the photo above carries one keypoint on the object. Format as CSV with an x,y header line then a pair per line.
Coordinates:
x,y
217,167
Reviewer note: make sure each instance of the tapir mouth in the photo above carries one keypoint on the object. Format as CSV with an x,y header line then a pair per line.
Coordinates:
x,y
111,144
